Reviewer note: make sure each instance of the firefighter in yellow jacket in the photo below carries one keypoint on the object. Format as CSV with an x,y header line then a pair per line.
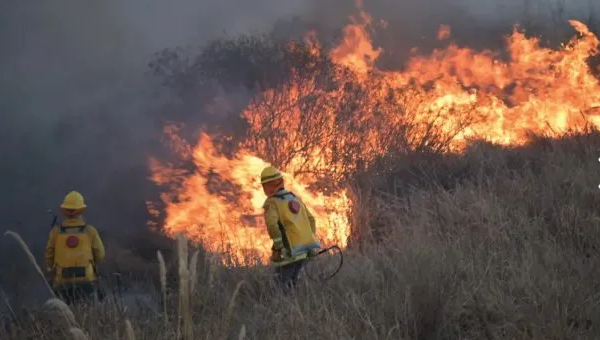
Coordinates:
x,y
73,250
291,226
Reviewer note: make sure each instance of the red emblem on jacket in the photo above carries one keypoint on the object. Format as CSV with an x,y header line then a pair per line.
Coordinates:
x,y
72,241
294,207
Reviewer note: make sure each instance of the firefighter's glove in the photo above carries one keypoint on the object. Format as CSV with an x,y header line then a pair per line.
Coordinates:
x,y
313,252
49,274
277,255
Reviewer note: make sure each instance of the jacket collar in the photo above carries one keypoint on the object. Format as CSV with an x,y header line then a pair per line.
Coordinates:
x,y
280,192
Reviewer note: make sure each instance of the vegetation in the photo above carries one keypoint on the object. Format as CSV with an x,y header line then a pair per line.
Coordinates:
x,y
494,243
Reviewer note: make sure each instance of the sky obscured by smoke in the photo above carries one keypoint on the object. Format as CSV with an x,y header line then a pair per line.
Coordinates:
x,y
76,106
75,103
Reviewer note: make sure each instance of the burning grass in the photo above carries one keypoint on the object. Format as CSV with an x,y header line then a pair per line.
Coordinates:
x,y
504,246
330,116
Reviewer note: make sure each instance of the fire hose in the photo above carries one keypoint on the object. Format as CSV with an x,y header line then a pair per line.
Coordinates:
x,y
322,277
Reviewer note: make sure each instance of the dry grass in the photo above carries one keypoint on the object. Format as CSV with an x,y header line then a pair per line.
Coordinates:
x,y
230,309
492,245
185,313
194,272
130,334
58,307
242,334
162,268
30,256
78,334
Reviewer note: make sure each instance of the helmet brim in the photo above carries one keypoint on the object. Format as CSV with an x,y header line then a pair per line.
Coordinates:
x,y
72,207
270,179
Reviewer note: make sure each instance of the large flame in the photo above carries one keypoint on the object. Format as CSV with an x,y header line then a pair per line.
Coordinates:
x,y
220,204
455,92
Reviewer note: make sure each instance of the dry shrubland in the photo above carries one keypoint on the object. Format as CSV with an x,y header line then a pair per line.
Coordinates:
x,y
494,244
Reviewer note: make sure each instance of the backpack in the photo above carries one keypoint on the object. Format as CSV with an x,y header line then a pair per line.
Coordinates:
x,y
73,257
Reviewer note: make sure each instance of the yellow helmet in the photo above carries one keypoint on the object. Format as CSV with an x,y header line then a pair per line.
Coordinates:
x,y
269,174
74,201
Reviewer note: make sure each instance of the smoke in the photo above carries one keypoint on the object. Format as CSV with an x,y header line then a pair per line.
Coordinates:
x,y
79,111
76,104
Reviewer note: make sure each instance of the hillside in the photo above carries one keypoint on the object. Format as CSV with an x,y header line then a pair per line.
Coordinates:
x,y
495,244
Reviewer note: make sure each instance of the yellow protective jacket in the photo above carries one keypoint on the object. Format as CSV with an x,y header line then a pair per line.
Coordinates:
x,y
73,250
291,226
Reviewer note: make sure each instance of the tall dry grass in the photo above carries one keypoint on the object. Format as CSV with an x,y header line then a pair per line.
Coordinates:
x,y
495,244
162,270
30,256
56,307
130,334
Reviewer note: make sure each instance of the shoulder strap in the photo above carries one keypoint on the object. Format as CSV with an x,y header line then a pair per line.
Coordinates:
x,y
63,229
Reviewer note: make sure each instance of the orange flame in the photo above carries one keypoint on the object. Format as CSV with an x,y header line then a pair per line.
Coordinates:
x,y
444,32
356,51
539,90
220,205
